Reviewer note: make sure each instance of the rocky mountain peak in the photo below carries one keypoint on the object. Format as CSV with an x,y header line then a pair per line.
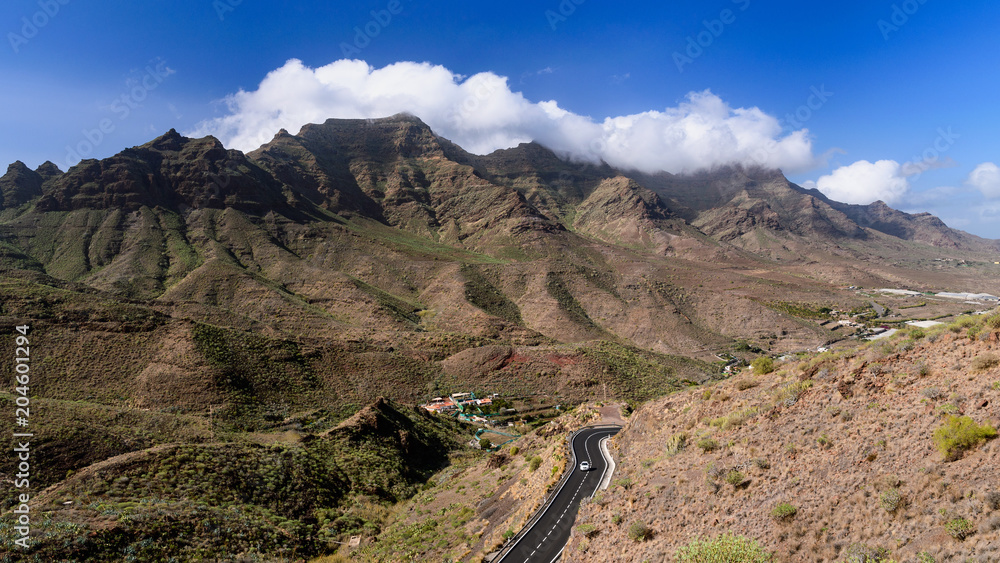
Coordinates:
x,y
17,167
48,170
19,185
169,141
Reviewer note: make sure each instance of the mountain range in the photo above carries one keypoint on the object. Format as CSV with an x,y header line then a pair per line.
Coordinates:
x,y
381,231
183,293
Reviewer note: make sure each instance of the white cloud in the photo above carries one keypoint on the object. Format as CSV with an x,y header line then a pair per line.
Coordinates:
x,y
986,178
864,182
481,113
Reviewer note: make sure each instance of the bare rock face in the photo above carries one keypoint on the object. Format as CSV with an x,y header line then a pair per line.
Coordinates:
x,y
171,171
730,223
19,185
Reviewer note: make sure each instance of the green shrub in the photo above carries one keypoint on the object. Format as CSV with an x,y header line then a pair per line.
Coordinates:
x,y
734,419
993,322
676,443
784,511
624,483
735,478
891,500
789,393
485,444
762,365
534,463
959,528
947,408
514,450
588,530
745,384
638,531
924,557
727,548
961,433
962,322
708,444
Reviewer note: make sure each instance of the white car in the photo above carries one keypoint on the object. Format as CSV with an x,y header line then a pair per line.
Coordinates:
x,y
584,466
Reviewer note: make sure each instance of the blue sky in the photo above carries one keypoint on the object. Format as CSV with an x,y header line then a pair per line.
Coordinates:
x,y
908,112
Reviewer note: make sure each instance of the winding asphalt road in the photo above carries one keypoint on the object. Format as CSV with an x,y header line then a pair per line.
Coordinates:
x,y
544,541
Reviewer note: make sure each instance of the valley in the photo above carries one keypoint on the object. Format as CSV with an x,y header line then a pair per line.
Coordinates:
x,y
228,348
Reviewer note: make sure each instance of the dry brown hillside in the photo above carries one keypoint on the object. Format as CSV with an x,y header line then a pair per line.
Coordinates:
x,y
847,439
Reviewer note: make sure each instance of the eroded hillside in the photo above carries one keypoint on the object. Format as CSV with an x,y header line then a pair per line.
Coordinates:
x,y
883,449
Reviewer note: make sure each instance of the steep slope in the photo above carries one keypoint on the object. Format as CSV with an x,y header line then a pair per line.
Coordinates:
x,y
19,185
171,171
395,170
921,227
362,228
834,454
761,211
620,211
239,297
244,499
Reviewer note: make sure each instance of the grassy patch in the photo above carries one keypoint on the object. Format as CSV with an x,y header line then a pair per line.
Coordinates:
x,y
960,434
723,549
483,294
762,365
784,511
810,311
639,375
556,288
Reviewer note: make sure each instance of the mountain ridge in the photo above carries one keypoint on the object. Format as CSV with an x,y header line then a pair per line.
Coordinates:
x,y
345,165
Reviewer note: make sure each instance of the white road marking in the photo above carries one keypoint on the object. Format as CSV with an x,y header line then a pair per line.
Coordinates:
x,y
558,555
